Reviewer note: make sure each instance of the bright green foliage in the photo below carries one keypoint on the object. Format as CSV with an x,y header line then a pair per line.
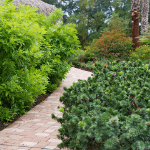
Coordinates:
x,y
60,43
142,52
111,45
33,56
110,111
20,81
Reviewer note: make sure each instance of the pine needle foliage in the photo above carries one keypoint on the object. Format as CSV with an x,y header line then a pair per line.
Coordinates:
x,y
109,111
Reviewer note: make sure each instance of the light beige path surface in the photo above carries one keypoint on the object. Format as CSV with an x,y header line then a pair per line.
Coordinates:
x,y
36,130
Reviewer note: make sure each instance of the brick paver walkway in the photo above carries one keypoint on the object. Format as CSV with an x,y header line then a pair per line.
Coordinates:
x,y
36,130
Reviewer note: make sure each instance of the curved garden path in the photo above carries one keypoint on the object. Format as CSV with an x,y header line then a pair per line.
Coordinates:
x,y
36,130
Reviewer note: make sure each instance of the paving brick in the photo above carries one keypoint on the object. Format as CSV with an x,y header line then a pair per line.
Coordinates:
x,y
3,147
35,148
42,128
50,147
24,133
54,141
55,133
27,143
23,148
12,148
42,134
49,130
42,144
54,144
16,137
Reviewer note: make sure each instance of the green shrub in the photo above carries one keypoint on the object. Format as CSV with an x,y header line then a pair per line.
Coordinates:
x,y
33,56
20,81
142,52
61,42
109,111
111,45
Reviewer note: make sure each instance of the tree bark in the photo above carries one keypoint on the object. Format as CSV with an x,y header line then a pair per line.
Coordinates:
x,y
135,8
145,11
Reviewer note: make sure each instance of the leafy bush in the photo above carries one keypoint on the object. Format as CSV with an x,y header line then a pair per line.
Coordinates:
x,y
20,81
111,45
109,111
33,56
60,42
119,24
142,52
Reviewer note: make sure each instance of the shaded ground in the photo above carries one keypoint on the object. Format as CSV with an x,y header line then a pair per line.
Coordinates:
x,y
38,100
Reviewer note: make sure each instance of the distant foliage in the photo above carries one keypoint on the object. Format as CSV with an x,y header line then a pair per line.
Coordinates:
x,y
109,111
111,45
142,52
118,24
89,18
144,39
33,56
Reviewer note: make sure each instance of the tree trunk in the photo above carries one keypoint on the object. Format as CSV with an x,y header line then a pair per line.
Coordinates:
x,y
135,8
145,11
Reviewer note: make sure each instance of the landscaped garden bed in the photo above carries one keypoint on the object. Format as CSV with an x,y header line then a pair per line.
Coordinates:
x,y
109,111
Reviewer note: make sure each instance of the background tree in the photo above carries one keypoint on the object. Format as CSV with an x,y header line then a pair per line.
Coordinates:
x,y
135,9
123,9
73,10
118,24
145,11
89,16
88,21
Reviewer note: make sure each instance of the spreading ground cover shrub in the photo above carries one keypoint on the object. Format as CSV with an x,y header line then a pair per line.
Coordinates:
x,y
142,52
111,45
33,56
109,111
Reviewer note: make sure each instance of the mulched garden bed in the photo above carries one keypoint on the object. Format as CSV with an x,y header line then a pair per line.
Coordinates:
x,y
38,100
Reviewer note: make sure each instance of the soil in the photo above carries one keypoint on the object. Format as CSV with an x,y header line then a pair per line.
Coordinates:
x,y
82,68
38,100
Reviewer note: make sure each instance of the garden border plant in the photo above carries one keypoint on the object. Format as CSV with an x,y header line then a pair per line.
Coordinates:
x,y
109,111
33,49
111,45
